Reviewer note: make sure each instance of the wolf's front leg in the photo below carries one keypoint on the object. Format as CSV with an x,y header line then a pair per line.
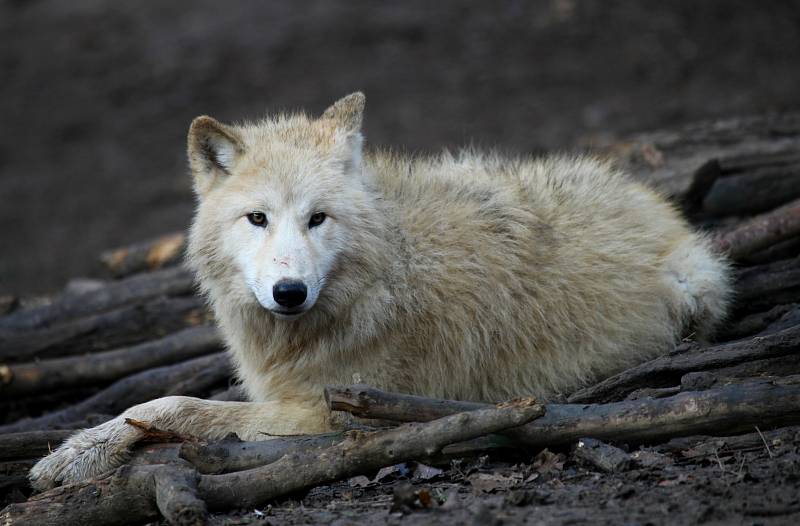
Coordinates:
x,y
93,451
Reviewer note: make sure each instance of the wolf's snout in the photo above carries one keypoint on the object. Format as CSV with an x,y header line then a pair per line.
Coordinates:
x,y
289,293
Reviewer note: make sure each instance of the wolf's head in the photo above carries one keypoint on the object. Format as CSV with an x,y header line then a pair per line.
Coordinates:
x,y
282,203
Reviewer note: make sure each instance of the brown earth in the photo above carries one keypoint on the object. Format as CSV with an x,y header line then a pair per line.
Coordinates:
x,y
96,95
753,487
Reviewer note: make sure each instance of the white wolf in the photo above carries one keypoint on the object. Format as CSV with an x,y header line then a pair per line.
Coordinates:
x,y
472,277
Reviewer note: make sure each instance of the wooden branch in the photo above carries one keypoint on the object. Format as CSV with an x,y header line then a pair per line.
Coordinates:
x,y
168,282
141,257
234,455
124,496
127,325
669,159
703,180
701,446
761,231
120,395
667,370
15,473
789,248
129,495
728,410
176,496
753,191
31,444
59,373
764,322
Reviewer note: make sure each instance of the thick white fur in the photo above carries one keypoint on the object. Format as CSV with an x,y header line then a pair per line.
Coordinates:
x,y
468,276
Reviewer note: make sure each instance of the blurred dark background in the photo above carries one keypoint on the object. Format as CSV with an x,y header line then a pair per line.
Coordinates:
x,y
96,96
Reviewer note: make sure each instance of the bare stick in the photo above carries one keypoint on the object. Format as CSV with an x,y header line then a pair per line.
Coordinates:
x,y
667,370
167,282
59,373
129,495
149,255
128,391
726,410
123,326
762,231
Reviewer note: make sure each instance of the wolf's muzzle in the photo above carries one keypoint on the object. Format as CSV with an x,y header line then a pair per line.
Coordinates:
x,y
289,293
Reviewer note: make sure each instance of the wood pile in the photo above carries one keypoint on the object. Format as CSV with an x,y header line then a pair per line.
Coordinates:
x,y
140,332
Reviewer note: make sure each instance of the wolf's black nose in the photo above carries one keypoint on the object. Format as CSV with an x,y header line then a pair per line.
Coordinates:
x,y
289,293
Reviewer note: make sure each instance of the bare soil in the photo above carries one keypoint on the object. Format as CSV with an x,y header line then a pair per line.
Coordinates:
x,y
756,486
96,95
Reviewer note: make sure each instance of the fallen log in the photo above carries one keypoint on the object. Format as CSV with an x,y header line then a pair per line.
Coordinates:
x,y
233,455
59,373
695,446
31,444
666,371
787,249
123,326
764,322
669,159
141,257
14,473
128,391
753,191
761,231
763,280
131,495
734,408
168,282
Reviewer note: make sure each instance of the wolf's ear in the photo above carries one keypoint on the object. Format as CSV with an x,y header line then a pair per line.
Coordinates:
x,y
213,149
347,112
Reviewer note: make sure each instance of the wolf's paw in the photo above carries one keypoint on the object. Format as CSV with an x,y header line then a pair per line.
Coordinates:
x,y
86,454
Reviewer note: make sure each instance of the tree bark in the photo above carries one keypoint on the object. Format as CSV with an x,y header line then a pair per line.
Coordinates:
x,y
667,370
761,231
128,391
168,282
141,257
126,325
59,373
31,444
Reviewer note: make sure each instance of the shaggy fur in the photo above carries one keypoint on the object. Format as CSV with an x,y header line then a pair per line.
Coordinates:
x,y
466,276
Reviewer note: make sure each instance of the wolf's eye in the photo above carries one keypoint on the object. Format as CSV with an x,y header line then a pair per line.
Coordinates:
x,y
257,218
316,219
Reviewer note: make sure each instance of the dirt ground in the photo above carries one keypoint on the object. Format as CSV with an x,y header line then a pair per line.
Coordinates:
x,y
96,96
756,486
